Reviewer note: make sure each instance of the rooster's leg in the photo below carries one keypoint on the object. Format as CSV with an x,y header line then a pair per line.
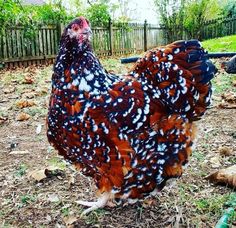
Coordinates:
x,y
100,203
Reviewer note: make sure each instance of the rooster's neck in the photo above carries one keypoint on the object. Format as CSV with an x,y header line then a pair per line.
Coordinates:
x,y
83,73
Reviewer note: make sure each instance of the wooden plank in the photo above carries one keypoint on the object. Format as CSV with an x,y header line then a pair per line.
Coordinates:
x,y
27,58
4,44
41,52
49,43
52,41
18,43
45,42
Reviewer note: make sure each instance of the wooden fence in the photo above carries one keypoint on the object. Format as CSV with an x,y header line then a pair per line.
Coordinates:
x,y
16,49
218,28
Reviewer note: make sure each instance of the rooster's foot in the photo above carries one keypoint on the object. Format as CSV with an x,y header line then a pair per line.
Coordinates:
x,y
100,203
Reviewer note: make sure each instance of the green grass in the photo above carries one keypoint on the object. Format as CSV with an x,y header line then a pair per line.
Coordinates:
x,y
21,170
223,83
222,44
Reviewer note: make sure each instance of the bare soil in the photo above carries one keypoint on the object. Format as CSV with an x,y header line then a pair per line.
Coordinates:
x,y
190,201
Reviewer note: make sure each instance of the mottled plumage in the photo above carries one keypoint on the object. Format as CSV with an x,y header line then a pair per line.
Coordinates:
x,y
130,133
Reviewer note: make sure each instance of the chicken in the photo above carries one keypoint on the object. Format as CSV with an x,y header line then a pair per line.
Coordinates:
x,y
229,66
129,133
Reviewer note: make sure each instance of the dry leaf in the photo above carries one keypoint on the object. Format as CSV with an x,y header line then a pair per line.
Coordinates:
x,y
25,103
38,175
22,116
224,176
229,97
71,180
215,162
49,172
3,119
28,80
224,105
10,89
53,198
234,83
225,151
19,152
69,220
29,95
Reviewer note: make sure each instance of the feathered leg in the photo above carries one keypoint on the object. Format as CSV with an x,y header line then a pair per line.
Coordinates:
x,y
100,203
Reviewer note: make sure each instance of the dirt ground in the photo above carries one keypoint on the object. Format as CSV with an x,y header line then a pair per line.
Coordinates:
x,y
25,155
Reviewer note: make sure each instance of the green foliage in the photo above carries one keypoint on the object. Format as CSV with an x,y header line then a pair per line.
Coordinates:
x,y
172,16
229,8
186,16
21,170
197,13
98,14
9,10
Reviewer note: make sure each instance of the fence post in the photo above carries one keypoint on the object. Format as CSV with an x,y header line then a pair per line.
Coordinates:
x,y
60,28
145,35
110,37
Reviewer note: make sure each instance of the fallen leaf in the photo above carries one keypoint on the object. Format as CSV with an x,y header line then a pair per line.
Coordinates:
x,y
229,97
225,151
28,80
224,105
38,175
215,162
22,116
29,95
9,89
3,119
42,91
48,172
234,83
69,220
19,152
53,198
224,176
71,180
25,103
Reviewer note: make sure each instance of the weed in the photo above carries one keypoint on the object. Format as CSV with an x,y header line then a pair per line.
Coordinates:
x,y
65,211
223,83
213,205
36,110
57,162
199,156
21,170
94,216
26,199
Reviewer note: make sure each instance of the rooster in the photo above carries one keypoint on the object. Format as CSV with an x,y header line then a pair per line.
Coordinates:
x,y
229,66
129,133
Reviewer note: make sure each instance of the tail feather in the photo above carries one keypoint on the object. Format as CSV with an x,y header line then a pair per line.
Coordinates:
x,y
181,72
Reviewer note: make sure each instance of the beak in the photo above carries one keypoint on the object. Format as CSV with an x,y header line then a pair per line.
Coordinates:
x,y
85,34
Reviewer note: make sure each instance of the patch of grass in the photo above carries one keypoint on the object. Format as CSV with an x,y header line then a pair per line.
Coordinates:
x,y
213,205
25,200
21,170
223,83
222,44
65,211
200,157
58,162
36,110
93,217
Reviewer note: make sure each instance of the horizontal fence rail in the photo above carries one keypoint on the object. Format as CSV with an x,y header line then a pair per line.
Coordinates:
x,y
17,48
